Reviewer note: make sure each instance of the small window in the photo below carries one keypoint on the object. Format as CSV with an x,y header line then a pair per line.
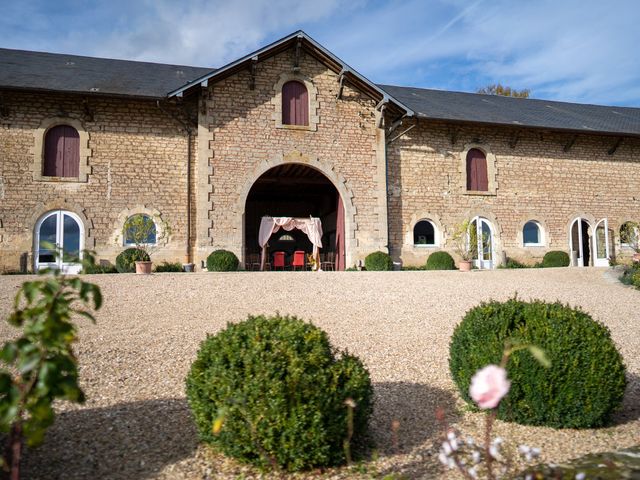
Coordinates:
x,y
424,233
532,234
295,104
477,179
140,229
630,235
61,152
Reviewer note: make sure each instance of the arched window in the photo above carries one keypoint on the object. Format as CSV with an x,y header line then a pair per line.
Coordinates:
x,y
61,152
59,241
140,229
477,178
424,233
630,235
295,104
532,234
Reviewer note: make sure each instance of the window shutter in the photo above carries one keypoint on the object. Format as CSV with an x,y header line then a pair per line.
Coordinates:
x,y
295,104
61,152
477,178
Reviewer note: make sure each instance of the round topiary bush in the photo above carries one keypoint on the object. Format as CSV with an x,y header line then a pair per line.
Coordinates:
x,y
222,261
582,388
378,261
440,261
126,261
280,391
556,258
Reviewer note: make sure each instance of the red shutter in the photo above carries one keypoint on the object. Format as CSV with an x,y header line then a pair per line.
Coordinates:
x,y
295,104
71,162
61,152
477,178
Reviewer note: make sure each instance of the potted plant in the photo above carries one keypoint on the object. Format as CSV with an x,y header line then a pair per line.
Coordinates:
x,y
463,243
140,230
630,235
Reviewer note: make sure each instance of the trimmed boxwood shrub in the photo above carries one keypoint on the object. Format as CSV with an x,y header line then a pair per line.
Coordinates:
x,y
440,261
222,261
556,258
169,267
378,261
281,391
582,388
126,261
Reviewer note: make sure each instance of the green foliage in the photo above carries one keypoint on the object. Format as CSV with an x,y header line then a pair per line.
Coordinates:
x,y
39,366
498,89
126,261
440,261
274,390
513,263
555,258
582,388
222,261
98,269
377,261
169,267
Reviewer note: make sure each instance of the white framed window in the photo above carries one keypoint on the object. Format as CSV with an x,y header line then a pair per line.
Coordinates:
x,y
59,241
140,229
532,234
425,234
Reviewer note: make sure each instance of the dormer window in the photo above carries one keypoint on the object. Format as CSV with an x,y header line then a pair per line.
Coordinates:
x,y
295,104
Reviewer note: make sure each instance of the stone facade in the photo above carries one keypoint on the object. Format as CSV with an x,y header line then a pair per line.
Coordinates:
x,y
535,179
136,157
134,160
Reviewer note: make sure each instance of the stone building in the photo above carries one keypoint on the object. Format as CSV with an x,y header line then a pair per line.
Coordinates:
x,y
291,130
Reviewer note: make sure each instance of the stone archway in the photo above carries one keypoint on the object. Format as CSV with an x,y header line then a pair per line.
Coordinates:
x,y
326,170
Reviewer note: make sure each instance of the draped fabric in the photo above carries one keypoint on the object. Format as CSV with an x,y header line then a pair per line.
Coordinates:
x,y
340,236
311,226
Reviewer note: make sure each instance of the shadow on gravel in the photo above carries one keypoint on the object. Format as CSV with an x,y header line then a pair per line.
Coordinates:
x,y
630,409
124,441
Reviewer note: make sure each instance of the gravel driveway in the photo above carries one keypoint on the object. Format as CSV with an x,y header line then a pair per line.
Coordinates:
x,y
136,424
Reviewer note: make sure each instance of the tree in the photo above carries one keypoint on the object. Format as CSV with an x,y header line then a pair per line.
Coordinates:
x,y
39,366
499,89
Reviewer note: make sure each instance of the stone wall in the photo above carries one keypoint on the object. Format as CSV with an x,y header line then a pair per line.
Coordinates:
x,y
246,139
136,161
535,179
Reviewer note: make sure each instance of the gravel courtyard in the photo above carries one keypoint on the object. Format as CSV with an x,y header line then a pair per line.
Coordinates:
x,y
136,423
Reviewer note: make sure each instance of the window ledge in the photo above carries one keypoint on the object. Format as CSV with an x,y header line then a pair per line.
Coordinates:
x,y
296,127
425,246
42,178
533,245
479,193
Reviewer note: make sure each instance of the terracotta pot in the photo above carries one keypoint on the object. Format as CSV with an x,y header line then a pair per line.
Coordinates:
x,y
143,268
464,265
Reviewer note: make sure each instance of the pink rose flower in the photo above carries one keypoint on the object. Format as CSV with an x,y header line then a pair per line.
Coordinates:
x,y
488,386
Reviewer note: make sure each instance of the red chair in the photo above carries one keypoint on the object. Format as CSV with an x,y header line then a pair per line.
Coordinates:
x,y
299,260
278,260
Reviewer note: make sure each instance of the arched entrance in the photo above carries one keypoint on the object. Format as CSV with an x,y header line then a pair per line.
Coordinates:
x,y
579,244
61,230
295,190
590,246
481,242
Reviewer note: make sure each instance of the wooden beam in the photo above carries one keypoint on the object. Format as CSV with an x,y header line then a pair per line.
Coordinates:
x,y
514,139
454,132
340,86
88,111
296,60
613,149
253,67
570,143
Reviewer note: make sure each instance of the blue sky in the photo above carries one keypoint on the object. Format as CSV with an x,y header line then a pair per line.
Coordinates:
x,y
572,50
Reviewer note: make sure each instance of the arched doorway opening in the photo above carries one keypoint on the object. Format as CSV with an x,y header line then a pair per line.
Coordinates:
x,y
62,231
295,190
579,244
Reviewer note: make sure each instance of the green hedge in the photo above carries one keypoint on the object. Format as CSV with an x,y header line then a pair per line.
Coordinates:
x,y
126,261
281,391
378,261
556,258
169,267
222,261
440,261
582,388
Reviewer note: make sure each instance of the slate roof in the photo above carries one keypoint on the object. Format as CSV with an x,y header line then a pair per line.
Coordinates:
x,y
526,112
26,70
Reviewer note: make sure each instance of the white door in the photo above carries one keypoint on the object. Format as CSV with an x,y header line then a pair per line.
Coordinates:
x,y
601,246
481,235
59,231
579,244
